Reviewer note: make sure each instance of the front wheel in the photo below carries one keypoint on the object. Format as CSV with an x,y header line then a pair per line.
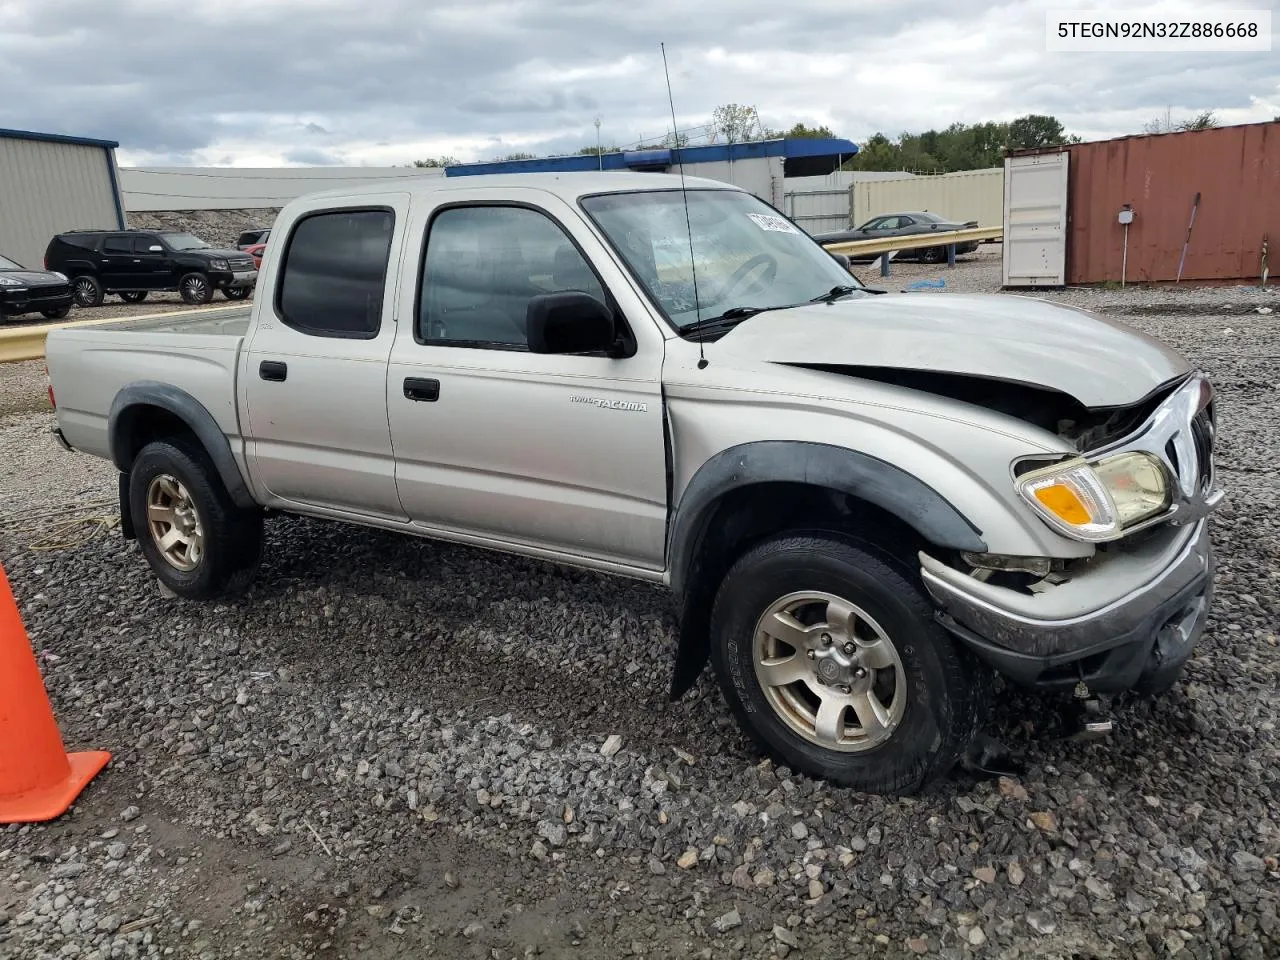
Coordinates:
x,y
87,291
833,664
195,288
197,541
236,293
60,314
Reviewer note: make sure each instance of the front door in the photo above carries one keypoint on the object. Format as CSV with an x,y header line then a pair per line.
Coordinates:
x,y
153,264
313,380
563,453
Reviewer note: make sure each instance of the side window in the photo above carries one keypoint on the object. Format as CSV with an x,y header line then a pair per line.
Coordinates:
x,y
117,245
482,267
334,273
890,223
142,246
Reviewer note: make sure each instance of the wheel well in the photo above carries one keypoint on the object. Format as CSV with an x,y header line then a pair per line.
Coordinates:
x,y
745,516
141,424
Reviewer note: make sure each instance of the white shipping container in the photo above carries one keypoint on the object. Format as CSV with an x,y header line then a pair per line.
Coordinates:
x,y
962,196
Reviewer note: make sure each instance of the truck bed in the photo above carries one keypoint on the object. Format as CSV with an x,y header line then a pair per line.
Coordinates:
x,y
90,365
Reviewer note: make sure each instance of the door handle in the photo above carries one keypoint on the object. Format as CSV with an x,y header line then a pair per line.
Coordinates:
x,y
420,390
273,370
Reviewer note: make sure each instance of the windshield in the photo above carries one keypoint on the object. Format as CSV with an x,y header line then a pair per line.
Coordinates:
x,y
7,264
183,241
746,256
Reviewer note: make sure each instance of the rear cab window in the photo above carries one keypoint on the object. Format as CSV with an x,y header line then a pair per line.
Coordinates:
x,y
333,273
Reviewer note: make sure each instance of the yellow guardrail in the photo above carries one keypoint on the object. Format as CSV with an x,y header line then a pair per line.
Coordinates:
x,y
27,342
914,241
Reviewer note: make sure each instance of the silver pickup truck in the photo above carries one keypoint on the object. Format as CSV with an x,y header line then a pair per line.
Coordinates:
x,y
864,503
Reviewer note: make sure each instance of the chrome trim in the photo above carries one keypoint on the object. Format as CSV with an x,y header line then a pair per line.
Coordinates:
x,y
1192,494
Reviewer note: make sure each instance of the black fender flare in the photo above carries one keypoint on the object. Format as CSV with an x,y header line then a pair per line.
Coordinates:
x,y
828,466
152,393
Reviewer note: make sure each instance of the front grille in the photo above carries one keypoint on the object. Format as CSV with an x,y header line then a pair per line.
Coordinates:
x,y
55,291
1202,437
240,263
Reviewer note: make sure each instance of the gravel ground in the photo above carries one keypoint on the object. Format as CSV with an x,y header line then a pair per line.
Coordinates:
x,y
391,747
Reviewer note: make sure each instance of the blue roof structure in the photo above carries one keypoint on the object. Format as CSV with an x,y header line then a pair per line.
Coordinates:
x,y
798,149
57,138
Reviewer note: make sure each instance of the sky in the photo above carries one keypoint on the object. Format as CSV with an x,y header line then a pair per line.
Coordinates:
x,y
384,82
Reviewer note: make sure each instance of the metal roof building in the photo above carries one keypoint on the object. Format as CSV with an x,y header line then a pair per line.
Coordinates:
x,y
760,166
50,183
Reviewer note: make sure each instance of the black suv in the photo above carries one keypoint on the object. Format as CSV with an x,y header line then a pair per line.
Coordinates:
x,y
132,263
32,291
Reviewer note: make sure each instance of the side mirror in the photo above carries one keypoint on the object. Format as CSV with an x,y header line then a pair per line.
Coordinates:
x,y
569,322
841,259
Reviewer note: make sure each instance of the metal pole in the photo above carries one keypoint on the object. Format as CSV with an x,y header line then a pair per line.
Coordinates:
x,y
1124,260
599,155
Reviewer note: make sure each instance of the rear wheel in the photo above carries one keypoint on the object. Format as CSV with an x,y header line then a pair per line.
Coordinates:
x,y
134,296
87,291
832,662
195,288
236,293
197,541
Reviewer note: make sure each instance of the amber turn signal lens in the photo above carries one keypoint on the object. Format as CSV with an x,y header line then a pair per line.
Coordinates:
x,y
1062,501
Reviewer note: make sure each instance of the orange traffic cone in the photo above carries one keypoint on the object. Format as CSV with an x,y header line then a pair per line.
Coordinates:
x,y
38,779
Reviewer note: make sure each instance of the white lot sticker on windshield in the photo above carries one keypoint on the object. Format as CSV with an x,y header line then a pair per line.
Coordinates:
x,y
776,224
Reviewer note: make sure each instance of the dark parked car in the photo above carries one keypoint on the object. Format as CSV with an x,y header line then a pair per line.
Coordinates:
x,y
132,263
252,237
32,291
904,224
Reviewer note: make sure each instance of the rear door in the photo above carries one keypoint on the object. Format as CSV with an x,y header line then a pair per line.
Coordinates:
x,y
118,270
314,378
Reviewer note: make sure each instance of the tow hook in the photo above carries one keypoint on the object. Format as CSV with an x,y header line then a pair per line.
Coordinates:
x,y
1087,717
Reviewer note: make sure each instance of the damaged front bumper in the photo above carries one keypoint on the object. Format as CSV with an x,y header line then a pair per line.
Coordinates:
x,y
1128,621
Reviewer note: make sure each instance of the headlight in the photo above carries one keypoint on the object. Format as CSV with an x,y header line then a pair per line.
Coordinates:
x,y
60,276
9,282
219,264
1098,502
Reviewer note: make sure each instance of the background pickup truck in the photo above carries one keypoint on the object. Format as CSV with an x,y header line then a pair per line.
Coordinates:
x,y
863,504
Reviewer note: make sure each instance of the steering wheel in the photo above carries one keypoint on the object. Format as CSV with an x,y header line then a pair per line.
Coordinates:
x,y
770,265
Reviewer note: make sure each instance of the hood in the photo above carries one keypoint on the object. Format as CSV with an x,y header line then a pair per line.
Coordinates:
x,y
33,278
217,252
1016,339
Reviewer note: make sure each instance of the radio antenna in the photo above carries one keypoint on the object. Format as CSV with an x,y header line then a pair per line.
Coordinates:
x,y
684,195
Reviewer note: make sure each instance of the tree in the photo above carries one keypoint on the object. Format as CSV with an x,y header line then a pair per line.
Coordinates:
x,y
1205,120
445,161
1037,130
592,150
518,155
802,132
1201,121
734,123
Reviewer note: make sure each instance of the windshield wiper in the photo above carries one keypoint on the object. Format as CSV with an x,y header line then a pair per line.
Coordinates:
x,y
835,293
730,317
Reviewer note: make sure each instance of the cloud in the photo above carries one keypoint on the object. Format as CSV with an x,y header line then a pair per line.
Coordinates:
x,y
387,81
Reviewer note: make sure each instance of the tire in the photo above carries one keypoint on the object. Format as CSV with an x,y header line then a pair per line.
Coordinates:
x,y
168,474
134,296
237,293
929,693
59,314
87,291
195,288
